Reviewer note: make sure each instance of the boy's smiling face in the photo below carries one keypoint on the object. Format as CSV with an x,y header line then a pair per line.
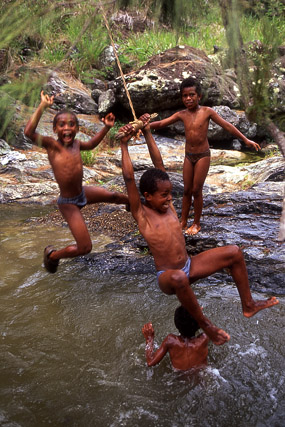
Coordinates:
x,y
190,98
66,128
161,198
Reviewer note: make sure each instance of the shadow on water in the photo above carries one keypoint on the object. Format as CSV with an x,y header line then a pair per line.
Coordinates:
x,y
72,352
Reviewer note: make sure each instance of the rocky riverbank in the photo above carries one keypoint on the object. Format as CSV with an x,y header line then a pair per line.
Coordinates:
x,y
243,190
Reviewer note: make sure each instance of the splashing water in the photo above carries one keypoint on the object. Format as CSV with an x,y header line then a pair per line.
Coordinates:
x,y
72,350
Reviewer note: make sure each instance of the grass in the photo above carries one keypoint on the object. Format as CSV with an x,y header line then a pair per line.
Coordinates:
x,y
76,35
140,47
111,136
88,157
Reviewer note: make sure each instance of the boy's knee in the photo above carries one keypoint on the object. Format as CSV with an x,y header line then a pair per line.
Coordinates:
x,y
187,191
236,253
85,249
197,191
179,280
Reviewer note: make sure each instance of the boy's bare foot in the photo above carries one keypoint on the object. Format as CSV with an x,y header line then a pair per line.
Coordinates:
x,y
50,265
218,336
194,229
183,224
259,305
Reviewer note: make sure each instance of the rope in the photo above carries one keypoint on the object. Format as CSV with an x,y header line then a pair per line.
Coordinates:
x,y
137,125
118,62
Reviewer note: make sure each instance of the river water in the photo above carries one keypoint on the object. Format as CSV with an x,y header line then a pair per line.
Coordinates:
x,y
72,352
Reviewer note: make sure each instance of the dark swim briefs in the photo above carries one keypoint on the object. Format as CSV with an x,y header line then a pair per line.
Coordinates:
x,y
194,157
79,200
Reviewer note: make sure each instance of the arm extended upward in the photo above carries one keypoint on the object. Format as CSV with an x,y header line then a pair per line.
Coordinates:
x,y
109,121
30,129
153,358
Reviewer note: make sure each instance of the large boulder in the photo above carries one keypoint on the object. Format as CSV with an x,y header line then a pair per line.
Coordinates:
x,y
70,93
156,85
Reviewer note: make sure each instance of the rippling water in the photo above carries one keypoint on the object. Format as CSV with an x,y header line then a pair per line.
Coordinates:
x,y
72,352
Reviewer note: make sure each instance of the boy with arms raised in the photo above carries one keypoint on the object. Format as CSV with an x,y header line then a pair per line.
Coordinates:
x,y
197,153
186,351
160,227
65,159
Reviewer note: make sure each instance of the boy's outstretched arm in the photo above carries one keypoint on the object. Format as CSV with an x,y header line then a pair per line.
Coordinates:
x,y
153,358
233,130
152,147
128,174
165,122
30,129
109,121
153,150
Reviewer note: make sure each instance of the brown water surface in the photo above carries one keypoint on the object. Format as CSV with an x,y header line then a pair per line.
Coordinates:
x,y
72,352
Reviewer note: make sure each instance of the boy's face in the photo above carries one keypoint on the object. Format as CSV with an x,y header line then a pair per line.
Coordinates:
x,y
161,198
190,97
66,128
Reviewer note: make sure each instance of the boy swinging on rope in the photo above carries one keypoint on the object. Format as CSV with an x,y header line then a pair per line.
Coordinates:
x,y
159,225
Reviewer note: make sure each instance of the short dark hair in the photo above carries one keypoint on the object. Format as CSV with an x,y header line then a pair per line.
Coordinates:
x,y
191,82
55,119
185,323
149,179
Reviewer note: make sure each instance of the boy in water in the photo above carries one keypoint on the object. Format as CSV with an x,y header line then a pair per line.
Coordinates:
x,y
197,153
186,351
65,159
159,225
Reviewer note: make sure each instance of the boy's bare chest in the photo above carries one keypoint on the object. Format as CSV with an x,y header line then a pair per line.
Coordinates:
x,y
162,228
66,158
195,120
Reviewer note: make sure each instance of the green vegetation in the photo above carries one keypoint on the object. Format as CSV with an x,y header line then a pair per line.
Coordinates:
x,y
89,157
75,32
71,35
111,136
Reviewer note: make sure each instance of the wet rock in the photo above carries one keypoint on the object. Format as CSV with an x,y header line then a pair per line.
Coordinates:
x,y
11,156
249,219
70,96
236,145
106,102
4,147
108,63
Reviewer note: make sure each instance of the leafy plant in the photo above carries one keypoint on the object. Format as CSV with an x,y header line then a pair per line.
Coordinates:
x,y
88,157
111,136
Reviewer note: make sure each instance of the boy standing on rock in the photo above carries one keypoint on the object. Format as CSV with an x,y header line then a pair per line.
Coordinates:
x,y
65,159
197,152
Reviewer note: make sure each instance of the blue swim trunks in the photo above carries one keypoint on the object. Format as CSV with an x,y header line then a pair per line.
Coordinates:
x,y
79,200
186,269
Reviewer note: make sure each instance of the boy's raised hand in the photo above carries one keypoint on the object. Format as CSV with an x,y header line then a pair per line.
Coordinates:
x,y
148,330
145,118
128,132
109,120
46,100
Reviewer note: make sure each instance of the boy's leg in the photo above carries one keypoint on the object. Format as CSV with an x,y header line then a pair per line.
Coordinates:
x,y
213,260
176,282
97,194
200,173
76,223
188,175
